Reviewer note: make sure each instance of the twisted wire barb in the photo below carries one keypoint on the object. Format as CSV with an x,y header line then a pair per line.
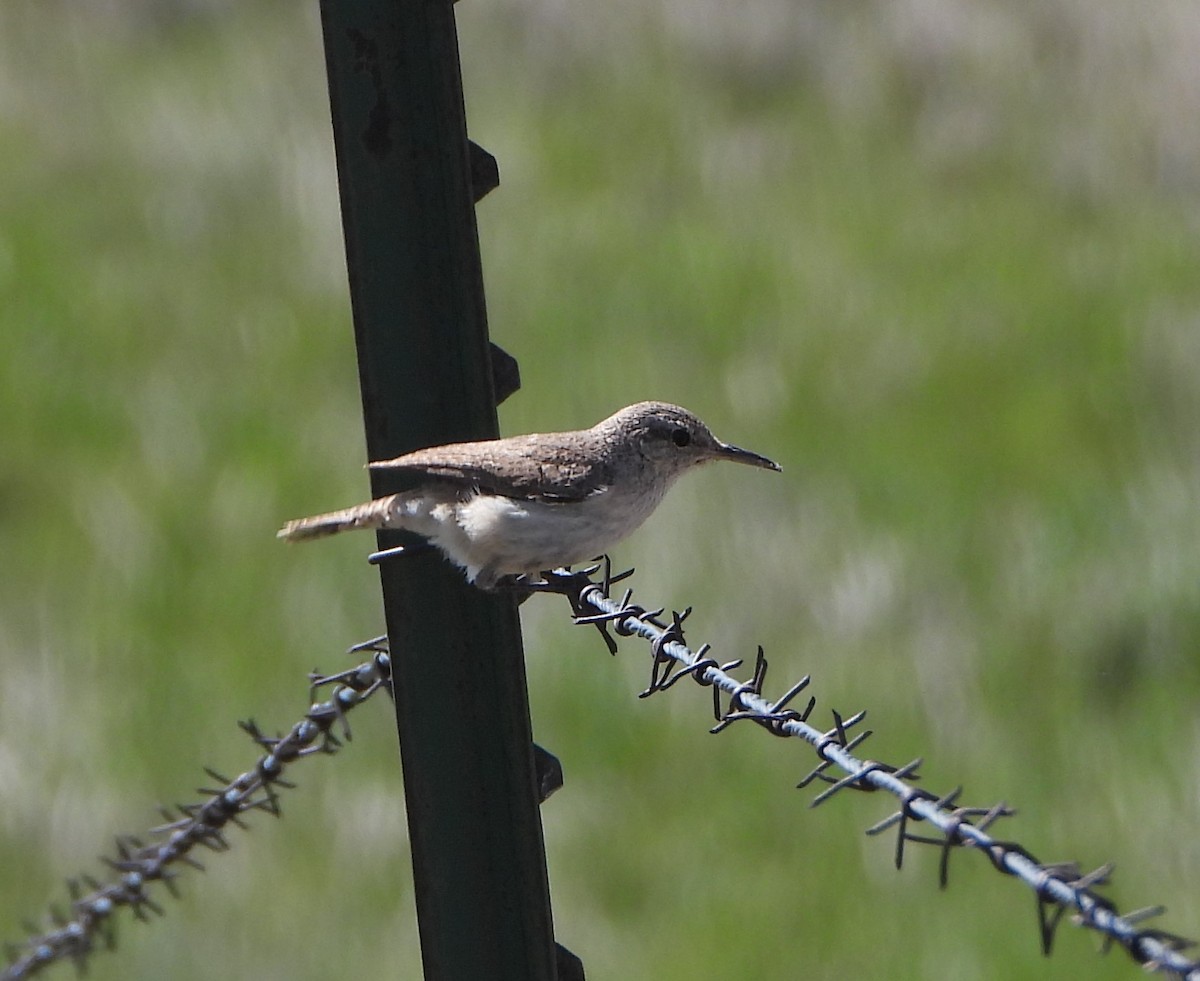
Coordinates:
x,y
76,934
1058,887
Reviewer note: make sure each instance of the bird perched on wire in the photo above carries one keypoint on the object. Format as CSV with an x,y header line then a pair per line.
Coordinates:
x,y
526,504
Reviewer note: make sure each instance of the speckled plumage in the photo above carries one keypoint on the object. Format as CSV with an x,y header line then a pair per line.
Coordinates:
x,y
536,502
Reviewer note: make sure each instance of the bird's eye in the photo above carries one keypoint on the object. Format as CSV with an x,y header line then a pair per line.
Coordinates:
x,y
681,437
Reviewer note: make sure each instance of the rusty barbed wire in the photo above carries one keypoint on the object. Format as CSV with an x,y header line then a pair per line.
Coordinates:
x,y
88,923
1059,888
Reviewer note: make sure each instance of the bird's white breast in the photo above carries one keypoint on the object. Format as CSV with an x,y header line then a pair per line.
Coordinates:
x,y
508,536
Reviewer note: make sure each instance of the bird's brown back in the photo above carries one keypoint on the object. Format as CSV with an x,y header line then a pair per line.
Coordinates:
x,y
569,467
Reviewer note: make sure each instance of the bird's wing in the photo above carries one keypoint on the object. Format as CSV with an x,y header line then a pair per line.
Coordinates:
x,y
536,467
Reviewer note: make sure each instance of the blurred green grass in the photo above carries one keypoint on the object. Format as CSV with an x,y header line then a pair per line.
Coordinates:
x,y
942,267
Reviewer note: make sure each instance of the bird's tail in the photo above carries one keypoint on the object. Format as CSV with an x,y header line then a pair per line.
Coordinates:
x,y
373,514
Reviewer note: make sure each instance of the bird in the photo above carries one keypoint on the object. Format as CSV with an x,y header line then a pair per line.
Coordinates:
x,y
527,504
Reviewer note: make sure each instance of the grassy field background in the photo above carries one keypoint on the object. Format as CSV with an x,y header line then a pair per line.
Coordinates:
x,y
937,257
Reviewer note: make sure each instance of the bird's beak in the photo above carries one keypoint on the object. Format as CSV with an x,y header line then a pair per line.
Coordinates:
x,y
738,455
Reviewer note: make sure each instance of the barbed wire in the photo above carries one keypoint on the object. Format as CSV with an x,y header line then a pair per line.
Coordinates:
x,y
88,923
1059,888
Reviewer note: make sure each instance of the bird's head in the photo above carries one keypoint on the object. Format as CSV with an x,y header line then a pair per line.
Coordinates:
x,y
673,439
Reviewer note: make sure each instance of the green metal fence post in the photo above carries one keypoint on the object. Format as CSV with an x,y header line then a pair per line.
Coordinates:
x,y
406,173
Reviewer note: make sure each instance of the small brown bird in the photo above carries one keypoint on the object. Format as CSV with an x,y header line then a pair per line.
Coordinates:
x,y
527,504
